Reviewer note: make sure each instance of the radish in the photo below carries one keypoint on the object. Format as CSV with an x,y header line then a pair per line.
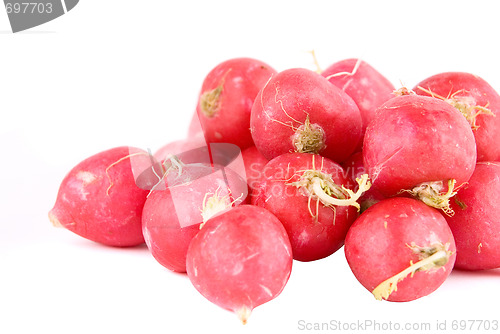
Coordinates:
x,y
476,223
172,216
355,169
226,99
299,110
400,249
307,194
476,100
421,146
254,167
240,259
364,84
100,200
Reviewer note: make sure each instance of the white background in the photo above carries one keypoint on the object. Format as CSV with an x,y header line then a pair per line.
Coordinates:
x,y
117,72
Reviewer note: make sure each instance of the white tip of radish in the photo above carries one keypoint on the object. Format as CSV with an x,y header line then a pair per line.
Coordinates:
x,y
53,219
213,204
243,314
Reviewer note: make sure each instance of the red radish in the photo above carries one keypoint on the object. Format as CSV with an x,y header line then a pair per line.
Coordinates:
x,y
299,110
307,194
172,217
400,249
226,99
254,167
100,200
240,259
364,84
420,145
476,100
355,169
476,223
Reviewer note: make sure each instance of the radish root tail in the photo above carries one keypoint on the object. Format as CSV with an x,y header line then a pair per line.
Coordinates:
x,y
111,183
243,314
435,256
349,74
431,194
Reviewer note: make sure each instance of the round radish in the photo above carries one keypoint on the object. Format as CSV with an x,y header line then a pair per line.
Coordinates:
x,y
400,249
299,110
476,223
419,145
364,84
307,194
240,259
100,200
172,217
476,100
226,99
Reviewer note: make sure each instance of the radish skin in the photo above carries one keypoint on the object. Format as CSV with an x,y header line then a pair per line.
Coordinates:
x,y
226,98
476,100
420,146
100,200
476,222
173,215
240,259
400,249
364,84
306,192
298,110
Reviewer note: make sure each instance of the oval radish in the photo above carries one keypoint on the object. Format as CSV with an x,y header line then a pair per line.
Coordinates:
x,y
100,200
419,145
400,249
299,110
240,259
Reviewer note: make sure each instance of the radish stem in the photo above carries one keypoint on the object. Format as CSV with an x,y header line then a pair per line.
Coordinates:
x,y
431,194
438,258
321,186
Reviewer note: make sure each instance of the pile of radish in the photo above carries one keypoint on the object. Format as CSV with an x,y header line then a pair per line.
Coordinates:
x,y
293,165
